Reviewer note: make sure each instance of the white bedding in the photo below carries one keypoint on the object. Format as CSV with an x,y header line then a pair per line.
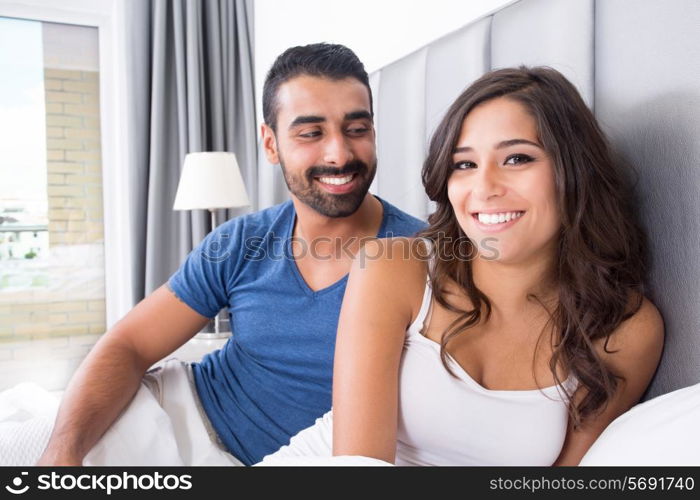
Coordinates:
x,y
27,413
341,461
659,432
148,432
143,435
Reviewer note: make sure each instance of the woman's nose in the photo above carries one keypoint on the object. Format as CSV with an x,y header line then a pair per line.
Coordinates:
x,y
488,183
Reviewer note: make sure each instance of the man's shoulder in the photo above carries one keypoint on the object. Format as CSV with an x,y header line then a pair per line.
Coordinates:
x,y
400,223
272,219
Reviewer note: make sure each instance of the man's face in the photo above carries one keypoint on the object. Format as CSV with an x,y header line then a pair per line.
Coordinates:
x,y
324,142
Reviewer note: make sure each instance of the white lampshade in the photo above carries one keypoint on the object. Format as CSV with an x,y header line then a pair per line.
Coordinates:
x,y
210,180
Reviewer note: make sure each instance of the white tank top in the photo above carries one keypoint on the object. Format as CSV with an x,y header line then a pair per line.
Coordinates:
x,y
455,421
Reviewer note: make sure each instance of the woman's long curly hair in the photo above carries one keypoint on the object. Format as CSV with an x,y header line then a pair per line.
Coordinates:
x,y
601,257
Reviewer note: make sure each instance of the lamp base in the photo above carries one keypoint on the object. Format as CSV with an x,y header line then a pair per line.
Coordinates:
x,y
217,328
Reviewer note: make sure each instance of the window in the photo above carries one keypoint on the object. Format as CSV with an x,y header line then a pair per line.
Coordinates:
x,y
51,218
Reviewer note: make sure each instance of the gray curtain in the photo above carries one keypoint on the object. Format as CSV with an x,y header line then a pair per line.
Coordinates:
x,y
190,78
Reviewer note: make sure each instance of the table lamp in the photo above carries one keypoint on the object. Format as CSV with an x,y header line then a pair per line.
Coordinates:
x,y
209,181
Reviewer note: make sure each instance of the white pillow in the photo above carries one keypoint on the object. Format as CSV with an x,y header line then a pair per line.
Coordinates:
x,y
662,431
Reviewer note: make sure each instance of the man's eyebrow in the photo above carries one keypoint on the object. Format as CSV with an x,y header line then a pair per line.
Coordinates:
x,y
502,144
358,115
302,120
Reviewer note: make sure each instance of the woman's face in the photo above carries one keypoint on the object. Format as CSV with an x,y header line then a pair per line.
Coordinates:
x,y
502,184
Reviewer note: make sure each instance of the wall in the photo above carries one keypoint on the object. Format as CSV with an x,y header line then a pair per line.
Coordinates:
x,y
73,153
74,186
379,32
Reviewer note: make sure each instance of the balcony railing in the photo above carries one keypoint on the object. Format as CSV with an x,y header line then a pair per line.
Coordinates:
x,y
13,247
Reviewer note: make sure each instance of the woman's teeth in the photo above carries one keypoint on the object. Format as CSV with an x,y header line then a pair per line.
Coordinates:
x,y
499,218
338,181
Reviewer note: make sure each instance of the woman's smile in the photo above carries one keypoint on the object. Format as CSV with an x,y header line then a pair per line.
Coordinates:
x,y
494,221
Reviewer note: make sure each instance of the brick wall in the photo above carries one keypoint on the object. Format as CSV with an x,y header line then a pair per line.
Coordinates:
x,y
74,174
73,157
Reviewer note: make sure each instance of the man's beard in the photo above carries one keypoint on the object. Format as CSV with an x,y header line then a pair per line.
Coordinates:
x,y
328,204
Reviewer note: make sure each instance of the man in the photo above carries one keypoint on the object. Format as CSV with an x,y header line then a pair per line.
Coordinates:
x,y
281,273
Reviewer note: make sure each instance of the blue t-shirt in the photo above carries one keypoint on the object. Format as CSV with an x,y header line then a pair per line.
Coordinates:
x,y
273,376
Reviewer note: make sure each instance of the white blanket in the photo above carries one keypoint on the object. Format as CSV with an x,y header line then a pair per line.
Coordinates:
x,y
143,435
27,413
340,461
149,432
313,447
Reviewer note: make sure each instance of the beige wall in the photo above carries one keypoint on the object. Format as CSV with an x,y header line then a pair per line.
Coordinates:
x,y
73,157
74,184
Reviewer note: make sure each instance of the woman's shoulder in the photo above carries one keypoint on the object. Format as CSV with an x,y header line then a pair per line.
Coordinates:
x,y
395,268
645,326
395,255
637,340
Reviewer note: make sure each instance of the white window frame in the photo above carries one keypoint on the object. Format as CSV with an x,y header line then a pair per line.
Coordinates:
x,y
108,17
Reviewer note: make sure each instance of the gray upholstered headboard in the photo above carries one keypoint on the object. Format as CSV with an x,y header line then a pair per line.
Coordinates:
x,y
637,64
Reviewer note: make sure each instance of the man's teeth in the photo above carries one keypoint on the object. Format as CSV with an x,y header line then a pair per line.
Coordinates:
x,y
499,218
336,180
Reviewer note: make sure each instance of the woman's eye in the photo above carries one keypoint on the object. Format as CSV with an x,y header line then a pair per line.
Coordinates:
x,y
518,159
463,165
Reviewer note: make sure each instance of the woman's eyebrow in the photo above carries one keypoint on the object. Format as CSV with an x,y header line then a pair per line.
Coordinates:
x,y
514,142
501,145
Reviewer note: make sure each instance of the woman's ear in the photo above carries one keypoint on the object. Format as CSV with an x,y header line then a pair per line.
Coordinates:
x,y
269,142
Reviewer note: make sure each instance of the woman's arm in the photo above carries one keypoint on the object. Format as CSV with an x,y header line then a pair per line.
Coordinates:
x,y
382,297
636,346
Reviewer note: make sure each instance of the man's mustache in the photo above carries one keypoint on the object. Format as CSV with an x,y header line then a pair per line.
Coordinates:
x,y
353,167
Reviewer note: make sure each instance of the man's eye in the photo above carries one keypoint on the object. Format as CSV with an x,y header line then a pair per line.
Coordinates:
x,y
518,159
311,134
463,165
358,130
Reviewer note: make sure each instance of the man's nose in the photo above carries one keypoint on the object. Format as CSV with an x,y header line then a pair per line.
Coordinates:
x,y
337,150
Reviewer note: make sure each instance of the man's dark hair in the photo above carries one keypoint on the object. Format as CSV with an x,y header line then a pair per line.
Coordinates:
x,y
317,59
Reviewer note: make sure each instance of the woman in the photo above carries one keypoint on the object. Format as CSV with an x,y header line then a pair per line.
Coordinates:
x,y
526,331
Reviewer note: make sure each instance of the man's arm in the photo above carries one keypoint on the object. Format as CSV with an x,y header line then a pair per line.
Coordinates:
x,y
108,378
